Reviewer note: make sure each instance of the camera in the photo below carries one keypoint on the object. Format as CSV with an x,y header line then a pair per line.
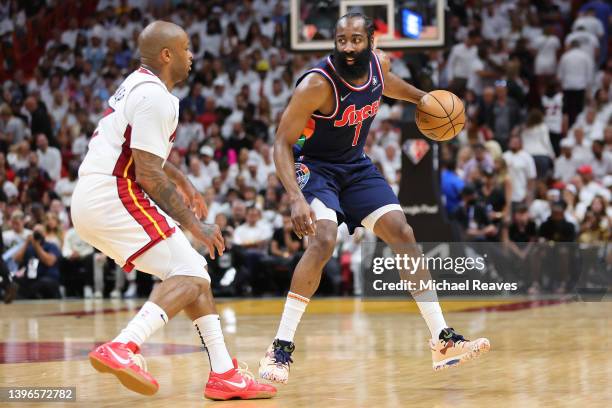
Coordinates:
x,y
38,237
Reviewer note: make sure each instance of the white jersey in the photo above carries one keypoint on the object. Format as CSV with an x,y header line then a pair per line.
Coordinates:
x,y
553,109
142,115
110,211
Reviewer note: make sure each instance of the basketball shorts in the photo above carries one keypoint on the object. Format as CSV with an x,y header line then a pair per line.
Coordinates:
x,y
116,216
356,192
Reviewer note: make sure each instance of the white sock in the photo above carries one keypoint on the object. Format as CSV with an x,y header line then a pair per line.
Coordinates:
x,y
149,319
209,330
427,301
295,306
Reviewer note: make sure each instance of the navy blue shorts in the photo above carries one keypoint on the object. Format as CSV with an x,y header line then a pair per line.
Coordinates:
x,y
354,190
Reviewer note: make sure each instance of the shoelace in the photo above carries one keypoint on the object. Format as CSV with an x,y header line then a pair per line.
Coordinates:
x,y
138,359
281,356
244,370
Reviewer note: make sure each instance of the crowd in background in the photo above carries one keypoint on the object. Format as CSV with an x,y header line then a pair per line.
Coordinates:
x,y
533,163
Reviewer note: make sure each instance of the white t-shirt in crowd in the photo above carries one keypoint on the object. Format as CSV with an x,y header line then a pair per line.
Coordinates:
x,y
246,234
590,24
51,161
575,70
460,61
521,168
546,58
565,168
588,42
536,141
64,188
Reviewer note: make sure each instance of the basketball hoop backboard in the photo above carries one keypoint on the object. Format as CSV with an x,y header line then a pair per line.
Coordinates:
x,y
399,24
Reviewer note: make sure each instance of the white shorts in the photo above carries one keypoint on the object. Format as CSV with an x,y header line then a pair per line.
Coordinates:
x,y
116,216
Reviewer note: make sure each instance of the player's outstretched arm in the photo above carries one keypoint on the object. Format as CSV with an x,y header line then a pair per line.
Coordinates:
x,y
395,87
312,94
154,181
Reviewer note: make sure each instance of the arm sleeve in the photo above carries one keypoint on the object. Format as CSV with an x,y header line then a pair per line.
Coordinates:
x,y
149,111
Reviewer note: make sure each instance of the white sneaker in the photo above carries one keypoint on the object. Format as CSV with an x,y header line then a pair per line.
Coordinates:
x,y
115,294
87,292
98,295
274,366
451,349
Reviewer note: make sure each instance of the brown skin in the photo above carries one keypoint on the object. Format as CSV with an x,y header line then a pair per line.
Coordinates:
x,y
315,93
164,50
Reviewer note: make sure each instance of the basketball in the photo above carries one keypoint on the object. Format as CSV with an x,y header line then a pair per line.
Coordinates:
x,y
440,115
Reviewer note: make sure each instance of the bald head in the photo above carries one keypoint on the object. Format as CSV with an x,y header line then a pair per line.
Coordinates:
x,y
157,36
164,46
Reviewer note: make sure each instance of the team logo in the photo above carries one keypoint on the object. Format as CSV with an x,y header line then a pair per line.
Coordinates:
x,y
374,80
302,174
415,149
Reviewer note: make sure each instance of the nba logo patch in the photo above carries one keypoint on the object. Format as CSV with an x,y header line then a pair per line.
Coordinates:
x,y
415,149
302,174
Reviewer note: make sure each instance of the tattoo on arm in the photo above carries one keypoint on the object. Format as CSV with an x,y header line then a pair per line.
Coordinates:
x,y
155,182
174,173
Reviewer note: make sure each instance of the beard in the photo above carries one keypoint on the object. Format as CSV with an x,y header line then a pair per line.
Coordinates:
x,y
358,69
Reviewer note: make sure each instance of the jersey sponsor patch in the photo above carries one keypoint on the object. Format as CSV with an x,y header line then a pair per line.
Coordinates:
x,y
302,174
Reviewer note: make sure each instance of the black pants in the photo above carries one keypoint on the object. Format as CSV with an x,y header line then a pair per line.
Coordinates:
x,y
40,288
76,273
573,104
555,140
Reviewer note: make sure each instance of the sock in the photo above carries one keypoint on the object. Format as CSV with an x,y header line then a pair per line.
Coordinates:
x,y
209,330
149,319
295,306
427,301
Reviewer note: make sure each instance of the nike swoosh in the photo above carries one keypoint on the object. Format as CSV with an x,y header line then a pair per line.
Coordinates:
x,y
342,98
241,384
120,359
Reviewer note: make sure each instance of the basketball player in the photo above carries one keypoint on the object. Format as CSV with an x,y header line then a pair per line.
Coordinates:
x,y
335,103
128,202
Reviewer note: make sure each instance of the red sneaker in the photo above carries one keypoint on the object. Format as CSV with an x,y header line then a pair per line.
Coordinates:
x,y
236,383
127,364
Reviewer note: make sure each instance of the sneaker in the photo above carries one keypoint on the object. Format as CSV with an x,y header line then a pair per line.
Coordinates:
x,y
10,292
131,292
237,383
452,349
127,364
115,294
274,366
87,292
98,295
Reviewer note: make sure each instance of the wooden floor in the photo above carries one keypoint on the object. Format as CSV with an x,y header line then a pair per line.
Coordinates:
x,y
349,353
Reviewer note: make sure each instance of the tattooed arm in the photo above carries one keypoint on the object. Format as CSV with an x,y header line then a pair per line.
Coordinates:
x,y
155,182
192,197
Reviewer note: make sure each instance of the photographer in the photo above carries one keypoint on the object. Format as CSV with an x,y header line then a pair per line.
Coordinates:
x,y
39,275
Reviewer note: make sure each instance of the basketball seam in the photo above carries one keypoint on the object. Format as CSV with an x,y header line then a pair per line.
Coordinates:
x,y
438,127
444,109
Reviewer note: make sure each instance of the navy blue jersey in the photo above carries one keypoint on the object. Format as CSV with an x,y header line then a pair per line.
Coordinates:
x,y
340,136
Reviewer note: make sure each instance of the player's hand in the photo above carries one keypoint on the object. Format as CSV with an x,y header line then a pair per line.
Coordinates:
x,y
303,218
210,235
194,200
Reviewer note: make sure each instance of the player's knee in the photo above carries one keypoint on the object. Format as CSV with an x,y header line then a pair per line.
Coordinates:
x,y
324,244
404,235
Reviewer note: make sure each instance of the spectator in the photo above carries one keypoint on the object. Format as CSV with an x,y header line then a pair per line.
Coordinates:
x,y
602,160
200,181
38,119
14,238
506,114
13,128
460,62
77,266
552,102
49,158
473,219
565,165
451,185
522,171
65,186
520,238
536,141
39,277
285,251
575,73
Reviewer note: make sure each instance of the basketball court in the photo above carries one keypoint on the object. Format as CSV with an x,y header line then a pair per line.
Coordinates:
x,y
350,353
